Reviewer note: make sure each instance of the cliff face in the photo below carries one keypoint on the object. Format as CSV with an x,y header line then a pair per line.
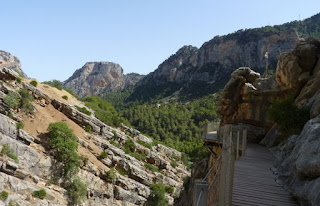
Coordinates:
x,y
247,97
95,78
195,72
35,167
11,62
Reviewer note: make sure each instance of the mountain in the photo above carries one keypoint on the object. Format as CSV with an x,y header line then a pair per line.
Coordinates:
x,y
95,78
193,72
11,62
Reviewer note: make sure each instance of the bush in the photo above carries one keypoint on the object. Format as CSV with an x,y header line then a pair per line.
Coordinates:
x,y
4,195
49,182
157,196
34,83
19,80
26,99
12,99
145,144
72,93
173,164
83,110
129,145
151,167
88,128
84,160
64,144
54,83
41,194
114,143
65,97
122,171
289,117
103,155
169,189
111,175
19,125
115,135
6,150
77,191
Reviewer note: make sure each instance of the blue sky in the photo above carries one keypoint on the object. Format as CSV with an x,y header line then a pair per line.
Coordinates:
x,y
54,38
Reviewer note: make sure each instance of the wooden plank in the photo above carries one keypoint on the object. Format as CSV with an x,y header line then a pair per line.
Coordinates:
x,y
254,182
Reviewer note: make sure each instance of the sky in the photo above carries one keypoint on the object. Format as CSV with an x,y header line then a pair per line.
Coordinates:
x,y
53,38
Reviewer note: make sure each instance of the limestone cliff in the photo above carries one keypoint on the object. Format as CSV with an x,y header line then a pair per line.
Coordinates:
x,y
96,78
246,98
11,62
35,166
193,72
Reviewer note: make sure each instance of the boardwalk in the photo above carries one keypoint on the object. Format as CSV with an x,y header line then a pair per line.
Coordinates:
x,y
254,182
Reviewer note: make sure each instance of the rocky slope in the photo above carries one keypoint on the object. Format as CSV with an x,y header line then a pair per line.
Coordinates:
x,y
11,62
34,168
244,103
195,72
96,78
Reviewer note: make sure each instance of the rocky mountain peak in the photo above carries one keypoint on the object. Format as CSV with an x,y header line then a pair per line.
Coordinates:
x,y
11,62
96,77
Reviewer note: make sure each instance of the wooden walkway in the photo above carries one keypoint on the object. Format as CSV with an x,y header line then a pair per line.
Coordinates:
x,y
254,183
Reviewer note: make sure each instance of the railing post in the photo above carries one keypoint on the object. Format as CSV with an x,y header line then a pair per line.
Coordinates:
x,y
238,146
245,133
243,142
227,167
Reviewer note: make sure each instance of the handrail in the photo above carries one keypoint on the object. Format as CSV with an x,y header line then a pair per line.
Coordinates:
x,y
218,160
199,198
215,176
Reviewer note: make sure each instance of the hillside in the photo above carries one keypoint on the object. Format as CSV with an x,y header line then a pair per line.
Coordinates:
x,y
48,138
193,72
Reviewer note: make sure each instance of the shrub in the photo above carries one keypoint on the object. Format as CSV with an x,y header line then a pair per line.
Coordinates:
x,y
129,145
4,195
54,83
83,110
111,175
19,80
77,191
34,83
145,144
18,72
26,99
6,150
88,128
289,117
49,182
114,143
169,189
64,144
65,97
157,196
122,171
84,160
41,194
12,99
19,125
173,164
72,93
115,135
151,167
103,155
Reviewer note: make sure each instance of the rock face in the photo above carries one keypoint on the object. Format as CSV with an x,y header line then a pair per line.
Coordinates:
x,y
11,62
35,166
95,78
246,98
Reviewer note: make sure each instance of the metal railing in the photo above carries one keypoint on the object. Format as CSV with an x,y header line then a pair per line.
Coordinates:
x,y
216,187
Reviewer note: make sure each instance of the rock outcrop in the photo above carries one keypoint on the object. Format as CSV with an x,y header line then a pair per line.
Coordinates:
x,y
34,166
246,99
11,62
96,78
